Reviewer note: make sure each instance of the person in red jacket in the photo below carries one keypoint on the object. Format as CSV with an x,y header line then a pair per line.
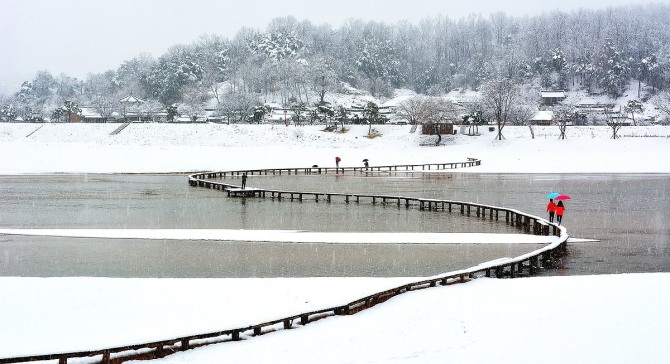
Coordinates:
x,y
551,209
559,212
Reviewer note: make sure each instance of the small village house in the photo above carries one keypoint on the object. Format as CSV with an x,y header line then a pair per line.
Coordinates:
x,y
542,117
551,97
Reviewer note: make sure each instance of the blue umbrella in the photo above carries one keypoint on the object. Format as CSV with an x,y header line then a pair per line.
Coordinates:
x,y
553,195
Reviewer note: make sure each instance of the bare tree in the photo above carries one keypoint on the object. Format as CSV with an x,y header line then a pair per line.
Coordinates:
x,y
194,102
410,108
613,123
435,111
149,109
322,77
213,55
562,115
500,94
104,105
288,74
237,106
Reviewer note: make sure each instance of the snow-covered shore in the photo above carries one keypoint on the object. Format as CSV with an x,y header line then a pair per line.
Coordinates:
x,y
159,148
585,319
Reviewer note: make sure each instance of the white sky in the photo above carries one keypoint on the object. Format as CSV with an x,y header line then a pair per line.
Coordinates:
x,y
77,37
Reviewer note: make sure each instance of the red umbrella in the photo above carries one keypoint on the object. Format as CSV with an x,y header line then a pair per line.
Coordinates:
x,y
562,197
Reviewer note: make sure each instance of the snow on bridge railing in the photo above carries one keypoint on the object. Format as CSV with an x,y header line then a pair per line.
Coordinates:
x,y
471,162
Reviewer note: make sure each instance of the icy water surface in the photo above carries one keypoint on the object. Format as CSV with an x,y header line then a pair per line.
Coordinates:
x,y
628,213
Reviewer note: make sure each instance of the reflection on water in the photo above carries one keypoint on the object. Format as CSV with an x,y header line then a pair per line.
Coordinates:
x,y
628,213
52,256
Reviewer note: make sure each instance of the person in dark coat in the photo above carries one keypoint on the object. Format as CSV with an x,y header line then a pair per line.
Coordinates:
x,y
244,180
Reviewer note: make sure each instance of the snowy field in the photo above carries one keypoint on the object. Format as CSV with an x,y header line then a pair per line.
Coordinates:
x,y
584,319
149,148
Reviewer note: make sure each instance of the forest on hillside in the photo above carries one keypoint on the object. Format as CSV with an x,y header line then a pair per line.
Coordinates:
x,y
300,63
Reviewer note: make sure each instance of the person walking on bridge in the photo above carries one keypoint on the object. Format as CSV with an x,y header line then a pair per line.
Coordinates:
x,y
559,212
551,209
337,165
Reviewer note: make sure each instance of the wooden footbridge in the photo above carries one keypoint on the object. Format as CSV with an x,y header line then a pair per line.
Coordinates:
x,y
523,265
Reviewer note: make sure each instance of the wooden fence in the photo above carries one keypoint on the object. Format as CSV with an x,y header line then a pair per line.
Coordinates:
x,y
522,265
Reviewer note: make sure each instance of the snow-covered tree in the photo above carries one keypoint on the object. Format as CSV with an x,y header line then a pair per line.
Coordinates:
x,y
237,106
280,41
632,107
130,73
67,87
554,70
193,103
371,115
598,50
57,114
326,113
322,76
257,114
477,71
473,119
435,111
613,70
342,115
68,109
298,113
585,72
172,112
377,57
648,71
212,53
149,110
7,111
104,104
499,96
663,104
36,96
174,70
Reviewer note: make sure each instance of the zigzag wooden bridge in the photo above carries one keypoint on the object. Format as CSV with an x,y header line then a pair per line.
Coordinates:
x,y
523,265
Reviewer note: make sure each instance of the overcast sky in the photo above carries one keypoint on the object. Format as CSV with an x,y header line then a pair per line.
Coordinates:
x,y
78,37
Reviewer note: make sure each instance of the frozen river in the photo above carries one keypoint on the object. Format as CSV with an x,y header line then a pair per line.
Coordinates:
x,y
627,213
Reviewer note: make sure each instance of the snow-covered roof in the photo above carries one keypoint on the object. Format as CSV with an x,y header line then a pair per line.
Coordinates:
x,y
552,94
131,100
90,113
543,116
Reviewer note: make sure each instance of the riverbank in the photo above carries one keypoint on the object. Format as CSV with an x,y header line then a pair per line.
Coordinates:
x,y
585,319
183,148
